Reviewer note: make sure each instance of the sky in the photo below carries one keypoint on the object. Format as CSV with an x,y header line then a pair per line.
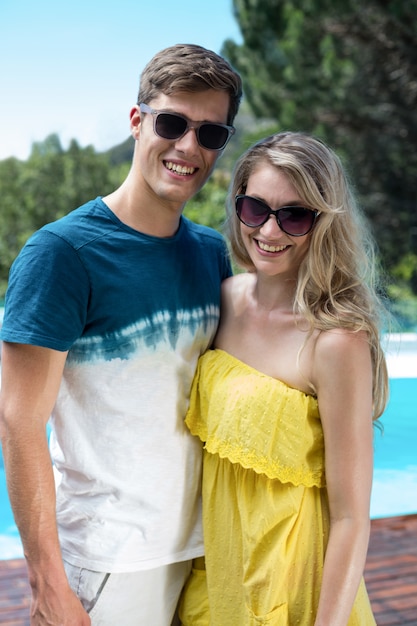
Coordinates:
x,y
72,68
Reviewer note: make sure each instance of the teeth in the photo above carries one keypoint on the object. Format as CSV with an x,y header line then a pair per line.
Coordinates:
x,y
264,246
179,169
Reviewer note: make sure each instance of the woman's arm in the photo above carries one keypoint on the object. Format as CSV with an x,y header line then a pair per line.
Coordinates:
x,y
343,378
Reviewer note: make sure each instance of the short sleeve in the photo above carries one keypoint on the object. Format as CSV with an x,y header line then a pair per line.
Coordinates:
x,y
47,296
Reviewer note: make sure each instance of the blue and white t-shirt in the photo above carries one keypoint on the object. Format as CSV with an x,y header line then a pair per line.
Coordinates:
x,y
134,312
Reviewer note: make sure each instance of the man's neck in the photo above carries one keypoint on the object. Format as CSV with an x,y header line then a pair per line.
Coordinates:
x,y
144,214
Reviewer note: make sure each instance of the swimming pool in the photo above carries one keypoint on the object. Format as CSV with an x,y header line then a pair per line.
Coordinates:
x,y
395,476
394,489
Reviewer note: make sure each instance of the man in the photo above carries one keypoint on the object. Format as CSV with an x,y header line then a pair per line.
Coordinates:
x,y
106,313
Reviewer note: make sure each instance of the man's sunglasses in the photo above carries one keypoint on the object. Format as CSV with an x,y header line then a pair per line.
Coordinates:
x,y
293,220
210,135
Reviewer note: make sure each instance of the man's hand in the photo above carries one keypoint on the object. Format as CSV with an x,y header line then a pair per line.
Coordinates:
x,y
55,607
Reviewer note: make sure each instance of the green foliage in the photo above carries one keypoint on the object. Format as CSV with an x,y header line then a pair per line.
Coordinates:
x,y
12,222
406,270
403,308
402,289
345,70
48,185
122,153
208,207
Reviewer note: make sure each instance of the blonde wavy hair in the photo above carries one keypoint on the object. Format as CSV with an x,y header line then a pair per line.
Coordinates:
x,y
338,280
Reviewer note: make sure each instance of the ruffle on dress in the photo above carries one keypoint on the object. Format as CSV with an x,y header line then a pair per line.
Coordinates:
x,y
257,421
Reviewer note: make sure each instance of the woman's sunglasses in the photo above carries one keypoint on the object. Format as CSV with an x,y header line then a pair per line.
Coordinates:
x,y
210,135
293,220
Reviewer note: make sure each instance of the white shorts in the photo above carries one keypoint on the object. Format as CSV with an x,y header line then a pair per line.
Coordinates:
x,y
143,598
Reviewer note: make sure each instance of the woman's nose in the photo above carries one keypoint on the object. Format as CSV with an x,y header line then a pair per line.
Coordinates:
x,y
271,225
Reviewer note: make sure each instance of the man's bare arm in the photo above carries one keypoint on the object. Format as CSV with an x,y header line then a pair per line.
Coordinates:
x,y
30,381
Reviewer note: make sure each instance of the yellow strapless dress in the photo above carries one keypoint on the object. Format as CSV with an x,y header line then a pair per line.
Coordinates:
x,y
265,508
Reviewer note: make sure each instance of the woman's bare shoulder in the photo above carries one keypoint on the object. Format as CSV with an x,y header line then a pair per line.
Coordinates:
x,y
234,304
236,285
338,352
340,341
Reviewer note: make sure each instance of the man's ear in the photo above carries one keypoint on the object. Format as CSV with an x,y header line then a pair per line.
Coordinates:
x,y
135,121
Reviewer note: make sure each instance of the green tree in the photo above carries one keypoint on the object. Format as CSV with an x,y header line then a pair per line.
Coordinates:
x,y
345,70
208,205
13,218
48,185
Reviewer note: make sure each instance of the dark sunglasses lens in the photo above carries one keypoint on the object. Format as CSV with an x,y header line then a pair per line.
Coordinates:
x,y
170,126
213,136
251,211
296,220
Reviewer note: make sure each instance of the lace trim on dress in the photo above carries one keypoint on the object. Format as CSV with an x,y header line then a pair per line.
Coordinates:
x,y
250,459
256,421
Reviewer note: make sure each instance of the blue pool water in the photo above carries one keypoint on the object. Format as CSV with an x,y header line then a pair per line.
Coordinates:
x,y
395,476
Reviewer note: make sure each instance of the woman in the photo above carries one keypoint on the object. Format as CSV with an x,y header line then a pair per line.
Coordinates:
x,y
285,402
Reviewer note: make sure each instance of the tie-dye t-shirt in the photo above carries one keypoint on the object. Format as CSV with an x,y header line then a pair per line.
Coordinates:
x,y
134,312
